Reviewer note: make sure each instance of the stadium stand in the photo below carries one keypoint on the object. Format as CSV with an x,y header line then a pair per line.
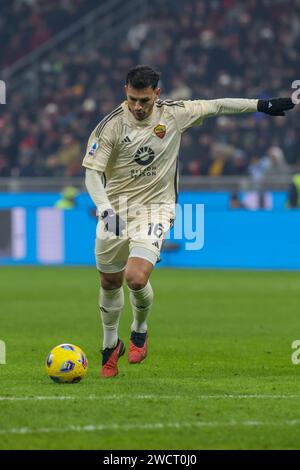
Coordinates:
x,y
203,49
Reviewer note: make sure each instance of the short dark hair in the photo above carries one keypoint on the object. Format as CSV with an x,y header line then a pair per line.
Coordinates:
x,y
142,76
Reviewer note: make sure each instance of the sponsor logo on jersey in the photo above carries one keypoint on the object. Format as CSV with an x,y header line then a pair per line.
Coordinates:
x,y
144,156
160,131
93,148
148,171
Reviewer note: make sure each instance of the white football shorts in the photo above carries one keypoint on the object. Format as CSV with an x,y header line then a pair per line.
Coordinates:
x,y
142,238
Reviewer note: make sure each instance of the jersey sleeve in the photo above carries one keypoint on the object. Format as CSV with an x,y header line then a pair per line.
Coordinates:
x,y
99,148
193,112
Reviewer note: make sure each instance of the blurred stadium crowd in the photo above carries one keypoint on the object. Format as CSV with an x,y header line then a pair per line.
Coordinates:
x,y
204,50
27,24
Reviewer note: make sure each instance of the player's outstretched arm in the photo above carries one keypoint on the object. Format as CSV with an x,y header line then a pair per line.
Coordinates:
x,y
275,106
112,221
192,112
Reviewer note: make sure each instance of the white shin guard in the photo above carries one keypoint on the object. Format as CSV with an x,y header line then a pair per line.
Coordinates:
x,y
111,303
141,303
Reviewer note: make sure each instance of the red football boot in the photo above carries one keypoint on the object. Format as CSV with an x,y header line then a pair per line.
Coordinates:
x,y
137,347
110,357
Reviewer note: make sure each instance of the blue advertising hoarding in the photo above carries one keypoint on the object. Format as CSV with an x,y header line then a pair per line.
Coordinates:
x,y
34,232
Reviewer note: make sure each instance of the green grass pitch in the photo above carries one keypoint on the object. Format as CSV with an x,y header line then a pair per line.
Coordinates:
x,y
219,373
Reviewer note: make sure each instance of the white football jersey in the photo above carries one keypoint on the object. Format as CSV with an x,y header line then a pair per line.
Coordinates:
x,y
140,158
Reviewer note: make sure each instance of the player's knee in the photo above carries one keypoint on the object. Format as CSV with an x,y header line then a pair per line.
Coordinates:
x,y
110,285
110,281
136,280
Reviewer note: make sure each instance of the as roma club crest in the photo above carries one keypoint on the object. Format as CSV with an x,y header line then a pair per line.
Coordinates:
x,y
160,131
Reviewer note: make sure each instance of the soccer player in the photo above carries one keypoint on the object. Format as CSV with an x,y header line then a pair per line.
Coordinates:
x,y
132,176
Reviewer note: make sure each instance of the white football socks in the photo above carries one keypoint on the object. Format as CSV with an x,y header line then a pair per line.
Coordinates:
x,y
141,302
111,303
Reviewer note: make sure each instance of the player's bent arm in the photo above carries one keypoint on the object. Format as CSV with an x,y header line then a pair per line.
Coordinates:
x,y
112,221
95,187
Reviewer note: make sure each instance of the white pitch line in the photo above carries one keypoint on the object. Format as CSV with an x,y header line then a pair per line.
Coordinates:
x,y
150,426
150,397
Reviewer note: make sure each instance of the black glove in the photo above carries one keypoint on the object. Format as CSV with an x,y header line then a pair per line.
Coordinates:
x,y
275,106
112,222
